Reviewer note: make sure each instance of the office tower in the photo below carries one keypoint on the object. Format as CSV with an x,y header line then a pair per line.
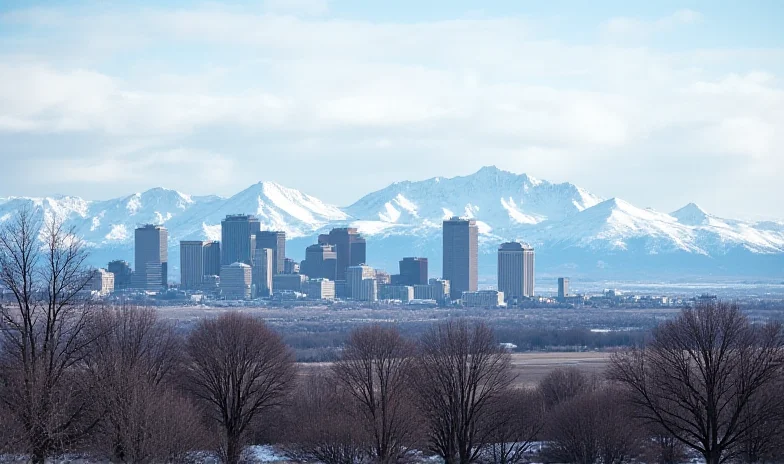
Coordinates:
x,y
515,270
122,273
238,234
151,247
289,282
482,298
236,281
461,255
436,289
290,266
276,241
355,277
320,262
263,267
192,264
349,246
413,271
563,287
101,281
152,275
368,290
528,271
212,258
320,289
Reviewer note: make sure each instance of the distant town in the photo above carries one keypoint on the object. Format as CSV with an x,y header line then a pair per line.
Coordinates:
x,y
249,265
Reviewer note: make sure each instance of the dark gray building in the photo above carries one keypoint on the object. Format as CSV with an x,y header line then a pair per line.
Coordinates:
x,y
122,273
276,241
198,259
320,262
563,287
212,258
238,234
349,246
151,248
515,271
413,271
461,255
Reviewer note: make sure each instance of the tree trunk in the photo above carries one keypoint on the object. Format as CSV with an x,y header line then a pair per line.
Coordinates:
x,y
233,449
712,457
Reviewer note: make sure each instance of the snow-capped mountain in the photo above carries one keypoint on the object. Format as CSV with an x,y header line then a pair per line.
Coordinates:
x,y
574,231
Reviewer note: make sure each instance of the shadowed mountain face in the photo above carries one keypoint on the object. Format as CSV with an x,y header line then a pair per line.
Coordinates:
x,y
573,231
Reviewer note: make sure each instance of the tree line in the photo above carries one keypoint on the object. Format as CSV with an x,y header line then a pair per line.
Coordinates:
x,y
119,384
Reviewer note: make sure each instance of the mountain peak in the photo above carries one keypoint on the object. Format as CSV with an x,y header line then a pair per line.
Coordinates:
x,y
691,214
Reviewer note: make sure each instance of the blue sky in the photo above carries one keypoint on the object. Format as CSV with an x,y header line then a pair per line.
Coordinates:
x,y
660,103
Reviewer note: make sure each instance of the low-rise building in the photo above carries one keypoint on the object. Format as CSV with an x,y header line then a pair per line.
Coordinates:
x,y
404,293
236,281
483,298
293,282
320,289
101,281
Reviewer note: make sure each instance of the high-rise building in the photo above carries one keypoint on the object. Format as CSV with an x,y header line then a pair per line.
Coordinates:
x,y
151,247
320,262
413,271
122,273
383,277
101,281
276,241
515,271
349,246
320,289
355,277
290,266
238,234
563,288
191,264
461,255
263,267
212,258
236,281
197,260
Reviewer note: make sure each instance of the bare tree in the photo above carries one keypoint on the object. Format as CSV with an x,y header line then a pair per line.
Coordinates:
x,y
764,439
320,426
593,427
131,365
564,383
460,370
42,332
699,375
375,368
238,368
514,420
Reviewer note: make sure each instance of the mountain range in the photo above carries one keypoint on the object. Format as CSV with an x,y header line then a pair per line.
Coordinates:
x,y
575,232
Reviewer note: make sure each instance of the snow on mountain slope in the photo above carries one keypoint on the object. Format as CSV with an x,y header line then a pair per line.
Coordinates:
x,y
499,198
561,220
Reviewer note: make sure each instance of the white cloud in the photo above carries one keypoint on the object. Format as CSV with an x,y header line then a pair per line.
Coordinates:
x,y
625,28
242,96
306,7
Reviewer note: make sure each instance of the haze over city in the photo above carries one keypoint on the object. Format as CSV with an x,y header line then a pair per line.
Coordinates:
x,y
338,99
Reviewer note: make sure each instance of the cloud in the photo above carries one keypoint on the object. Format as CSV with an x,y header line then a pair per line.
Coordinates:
x,y
624,27
236,96
305,7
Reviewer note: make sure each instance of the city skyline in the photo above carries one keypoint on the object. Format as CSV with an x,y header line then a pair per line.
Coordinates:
x,y
618,98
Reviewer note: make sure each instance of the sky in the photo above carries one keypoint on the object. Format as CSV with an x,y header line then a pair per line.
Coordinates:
x,y
659,103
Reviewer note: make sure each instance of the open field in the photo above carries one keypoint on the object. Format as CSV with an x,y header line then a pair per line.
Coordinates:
x,y
529,368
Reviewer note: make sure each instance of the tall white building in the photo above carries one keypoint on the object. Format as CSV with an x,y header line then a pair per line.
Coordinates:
x,y
236,281
320,289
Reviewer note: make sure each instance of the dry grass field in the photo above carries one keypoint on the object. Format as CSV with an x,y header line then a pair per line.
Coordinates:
x,y
529,368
